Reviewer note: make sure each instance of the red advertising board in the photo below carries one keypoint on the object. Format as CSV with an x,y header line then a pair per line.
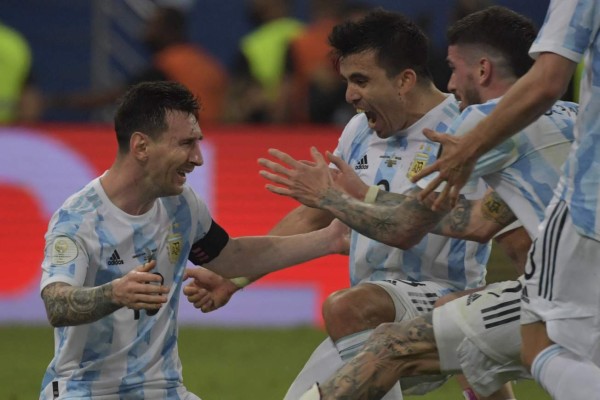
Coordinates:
x,y
41,165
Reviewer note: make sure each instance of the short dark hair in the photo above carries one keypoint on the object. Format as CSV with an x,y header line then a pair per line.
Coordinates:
x,y
398,42
144,108
500,29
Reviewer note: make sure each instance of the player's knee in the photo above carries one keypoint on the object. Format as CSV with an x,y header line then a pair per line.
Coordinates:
x,y
356,309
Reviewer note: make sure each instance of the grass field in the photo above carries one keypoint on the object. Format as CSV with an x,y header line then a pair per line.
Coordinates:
x,y
218,364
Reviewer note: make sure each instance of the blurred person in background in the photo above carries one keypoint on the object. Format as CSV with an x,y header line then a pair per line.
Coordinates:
x,y
260,63
20,100
174,58
311,89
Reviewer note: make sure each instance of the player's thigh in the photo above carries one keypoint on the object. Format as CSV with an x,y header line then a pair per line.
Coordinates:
x,y
490,318
411,299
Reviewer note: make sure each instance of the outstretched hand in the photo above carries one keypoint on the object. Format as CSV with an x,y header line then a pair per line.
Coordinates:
x,y
208,291
305,182
455,165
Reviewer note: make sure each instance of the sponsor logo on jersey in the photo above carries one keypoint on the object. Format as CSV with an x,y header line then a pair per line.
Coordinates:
x,y
115,259
362,163
392,160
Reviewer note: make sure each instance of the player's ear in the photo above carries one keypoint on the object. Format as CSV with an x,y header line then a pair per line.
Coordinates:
x,y
138,145
406,80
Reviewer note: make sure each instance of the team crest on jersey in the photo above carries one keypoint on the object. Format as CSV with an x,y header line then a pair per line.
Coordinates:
x,y
391,161
64,250
174,244
418,163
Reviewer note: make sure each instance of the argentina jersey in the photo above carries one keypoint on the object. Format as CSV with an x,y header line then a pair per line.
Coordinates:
x,y
390,163
570,29
524,170
90,242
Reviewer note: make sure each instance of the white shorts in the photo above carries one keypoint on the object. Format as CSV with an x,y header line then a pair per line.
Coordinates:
x,y
479,335
562,285
412,299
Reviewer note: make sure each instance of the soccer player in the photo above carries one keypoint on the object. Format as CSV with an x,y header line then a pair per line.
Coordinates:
x,y
560,302
116,252
382,58
486,59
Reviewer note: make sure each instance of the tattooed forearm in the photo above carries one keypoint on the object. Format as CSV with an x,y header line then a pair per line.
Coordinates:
x,y
457,221
396,220
495,209
67,305
394,350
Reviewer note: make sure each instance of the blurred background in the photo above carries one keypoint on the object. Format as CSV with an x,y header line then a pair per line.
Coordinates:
x,y
261,69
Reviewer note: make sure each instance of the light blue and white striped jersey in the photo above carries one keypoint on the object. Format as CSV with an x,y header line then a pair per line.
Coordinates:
x,y
571,30
524,170
90,242
390,162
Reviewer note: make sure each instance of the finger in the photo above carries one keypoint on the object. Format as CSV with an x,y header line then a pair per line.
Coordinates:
x,y
208,307
441,199
433,185
275,167
317,156
275,178
205,277
432,135
338,162
309,163
286,158
146,267
428,170
151,299
279,190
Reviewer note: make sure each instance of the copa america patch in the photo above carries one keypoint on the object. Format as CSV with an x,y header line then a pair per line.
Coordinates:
x,y
64,250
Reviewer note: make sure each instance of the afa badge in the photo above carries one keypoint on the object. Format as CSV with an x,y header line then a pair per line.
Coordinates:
x,y
418,163
174,244
64,250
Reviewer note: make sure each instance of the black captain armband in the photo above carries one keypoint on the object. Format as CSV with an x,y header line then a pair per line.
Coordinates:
x,y
210,246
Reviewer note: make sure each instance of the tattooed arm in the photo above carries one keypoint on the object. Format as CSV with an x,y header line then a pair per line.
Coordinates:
x,y
67,305
476,220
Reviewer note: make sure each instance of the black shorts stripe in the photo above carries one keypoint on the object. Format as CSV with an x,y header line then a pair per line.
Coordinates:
x,y
503,313
502,322
501,305
561,225
548,248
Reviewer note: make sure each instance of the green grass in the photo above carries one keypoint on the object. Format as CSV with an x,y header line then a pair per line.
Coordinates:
x,y
218,364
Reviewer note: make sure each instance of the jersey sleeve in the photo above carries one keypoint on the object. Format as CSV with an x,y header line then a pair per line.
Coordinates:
x,y
210,237
65,255
567,29
345,141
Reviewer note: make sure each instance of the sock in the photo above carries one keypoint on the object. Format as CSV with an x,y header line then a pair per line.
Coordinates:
x,y
351,345
322,364
312,393
565,375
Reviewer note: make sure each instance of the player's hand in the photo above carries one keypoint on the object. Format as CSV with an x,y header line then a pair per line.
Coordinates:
x,y
140,289
207,291
300,180
346,179
454,165
339,237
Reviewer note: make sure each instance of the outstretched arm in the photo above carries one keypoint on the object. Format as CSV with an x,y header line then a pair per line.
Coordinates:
x,y
527,100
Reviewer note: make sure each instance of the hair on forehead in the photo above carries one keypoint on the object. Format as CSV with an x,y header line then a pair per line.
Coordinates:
x,y
499,30
145,106
398,42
